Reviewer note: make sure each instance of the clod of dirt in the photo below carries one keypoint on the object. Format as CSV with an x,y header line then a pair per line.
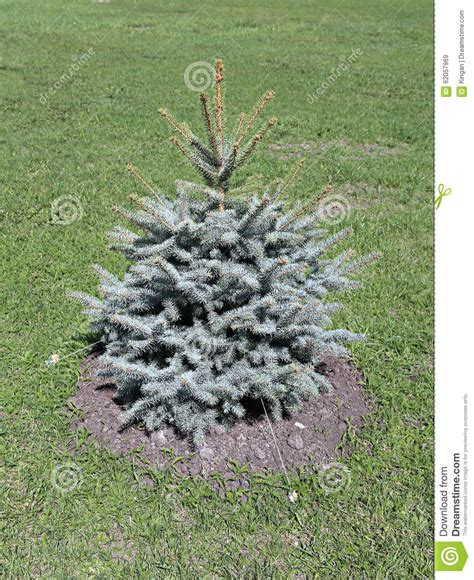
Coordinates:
x,y
325,420
295,441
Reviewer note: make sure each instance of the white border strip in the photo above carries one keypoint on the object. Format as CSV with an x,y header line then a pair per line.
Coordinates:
x,y
454,279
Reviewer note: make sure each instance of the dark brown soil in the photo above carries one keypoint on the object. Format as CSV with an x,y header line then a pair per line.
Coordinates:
x,y
310,436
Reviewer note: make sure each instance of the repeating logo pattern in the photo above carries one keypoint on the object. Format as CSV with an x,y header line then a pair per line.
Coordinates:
x,y
334,477
199,76
66,477
334,209
66,209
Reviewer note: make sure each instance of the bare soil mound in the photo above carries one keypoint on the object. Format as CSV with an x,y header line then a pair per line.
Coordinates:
x,y
310,436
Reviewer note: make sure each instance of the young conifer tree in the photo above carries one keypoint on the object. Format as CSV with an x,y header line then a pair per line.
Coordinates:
x,y
223,303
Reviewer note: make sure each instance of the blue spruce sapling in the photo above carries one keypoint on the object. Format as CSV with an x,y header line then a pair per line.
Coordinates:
x,y
224,299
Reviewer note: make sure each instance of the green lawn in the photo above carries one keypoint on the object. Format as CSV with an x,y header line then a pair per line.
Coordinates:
x,y
369,134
